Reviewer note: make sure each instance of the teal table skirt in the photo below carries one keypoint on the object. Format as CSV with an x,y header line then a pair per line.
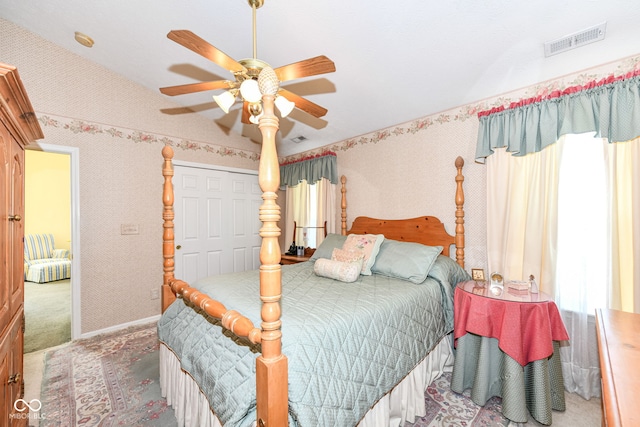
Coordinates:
x,y
536,388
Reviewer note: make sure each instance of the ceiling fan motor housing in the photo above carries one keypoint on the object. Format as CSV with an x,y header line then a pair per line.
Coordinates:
x,y
253,67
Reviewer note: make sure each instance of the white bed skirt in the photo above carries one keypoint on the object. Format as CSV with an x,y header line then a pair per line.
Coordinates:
x,y
403,403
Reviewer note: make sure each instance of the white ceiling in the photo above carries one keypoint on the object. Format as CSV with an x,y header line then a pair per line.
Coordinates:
x,y
395,61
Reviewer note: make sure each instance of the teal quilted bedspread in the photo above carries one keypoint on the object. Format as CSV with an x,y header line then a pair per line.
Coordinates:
x,y
347,344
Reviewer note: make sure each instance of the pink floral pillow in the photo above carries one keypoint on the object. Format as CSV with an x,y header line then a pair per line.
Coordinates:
x,y
341,255
366,244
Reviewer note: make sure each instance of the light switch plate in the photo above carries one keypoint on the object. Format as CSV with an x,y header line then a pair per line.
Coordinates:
x,y
129,229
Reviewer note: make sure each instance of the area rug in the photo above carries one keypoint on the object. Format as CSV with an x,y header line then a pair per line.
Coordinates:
x,y
106,380
447,408
113,380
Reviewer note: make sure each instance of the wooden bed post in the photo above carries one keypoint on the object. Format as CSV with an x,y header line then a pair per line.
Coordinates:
x,y
168,250
271,366
459,238
343,205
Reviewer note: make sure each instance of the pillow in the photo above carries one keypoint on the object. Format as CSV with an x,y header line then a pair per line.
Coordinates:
x,y
405,260
328,244
368,244
341,255
343,271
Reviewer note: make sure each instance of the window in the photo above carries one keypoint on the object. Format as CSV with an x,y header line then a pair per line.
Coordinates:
x,y
305,205
582,273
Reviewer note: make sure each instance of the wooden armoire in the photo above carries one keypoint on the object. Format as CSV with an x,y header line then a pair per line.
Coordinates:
x,y
19,126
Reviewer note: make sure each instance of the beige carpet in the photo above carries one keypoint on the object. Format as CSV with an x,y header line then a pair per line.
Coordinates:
x,y
47,310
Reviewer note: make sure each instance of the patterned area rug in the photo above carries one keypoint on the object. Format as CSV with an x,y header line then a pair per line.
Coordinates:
x,y
447,408
113,380
107,380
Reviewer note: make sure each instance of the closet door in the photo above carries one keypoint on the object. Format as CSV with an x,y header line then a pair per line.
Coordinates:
x,y
216,222
244,237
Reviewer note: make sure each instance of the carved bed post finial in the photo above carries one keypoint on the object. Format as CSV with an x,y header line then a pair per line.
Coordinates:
x,y
168,250
271,365
459,238
343,205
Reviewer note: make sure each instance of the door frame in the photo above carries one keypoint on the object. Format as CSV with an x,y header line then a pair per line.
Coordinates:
x,y
184,163
74,171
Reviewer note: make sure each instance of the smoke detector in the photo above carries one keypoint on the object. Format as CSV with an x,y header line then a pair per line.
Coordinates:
x,y
572,41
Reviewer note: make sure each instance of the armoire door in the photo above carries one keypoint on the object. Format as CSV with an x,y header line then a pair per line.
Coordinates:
x,y
5,225
16,228
217,222
11,227
18,127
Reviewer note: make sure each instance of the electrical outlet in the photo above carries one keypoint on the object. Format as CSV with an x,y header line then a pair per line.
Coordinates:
x,y
155,293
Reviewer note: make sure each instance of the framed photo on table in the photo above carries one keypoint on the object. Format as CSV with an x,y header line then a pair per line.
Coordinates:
x,y
477,274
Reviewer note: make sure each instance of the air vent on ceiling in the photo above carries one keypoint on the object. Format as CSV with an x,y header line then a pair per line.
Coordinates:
x,y
299,139
575,40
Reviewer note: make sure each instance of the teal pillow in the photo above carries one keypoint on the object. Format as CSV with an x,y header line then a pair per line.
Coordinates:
x,y
405,260
327,246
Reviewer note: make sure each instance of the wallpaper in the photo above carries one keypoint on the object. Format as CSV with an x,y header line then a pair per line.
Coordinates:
x,y
120,128
80,104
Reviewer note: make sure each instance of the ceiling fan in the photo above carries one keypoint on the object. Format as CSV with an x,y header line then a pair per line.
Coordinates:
x,y
246,72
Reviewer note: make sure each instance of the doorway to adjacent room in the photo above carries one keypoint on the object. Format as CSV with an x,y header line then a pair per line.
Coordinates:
x,y
51,206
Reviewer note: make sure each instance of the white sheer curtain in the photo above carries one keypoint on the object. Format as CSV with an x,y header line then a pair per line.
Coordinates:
x,y
310,205
521,210
326,208
298,209
582,262
571,214
623,185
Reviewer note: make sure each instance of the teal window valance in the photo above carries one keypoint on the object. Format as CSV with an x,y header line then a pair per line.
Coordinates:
x,y
311,169
610,107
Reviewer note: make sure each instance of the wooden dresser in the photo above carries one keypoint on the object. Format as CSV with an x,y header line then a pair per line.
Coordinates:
x,y
619,350
18,127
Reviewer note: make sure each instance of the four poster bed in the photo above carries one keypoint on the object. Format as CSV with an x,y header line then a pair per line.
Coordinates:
x,y
309,350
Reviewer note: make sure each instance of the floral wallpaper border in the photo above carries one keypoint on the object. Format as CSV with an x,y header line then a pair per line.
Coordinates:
x,y
82,126
466,112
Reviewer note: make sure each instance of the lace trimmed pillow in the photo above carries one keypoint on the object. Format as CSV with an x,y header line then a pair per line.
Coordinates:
x,y
338,270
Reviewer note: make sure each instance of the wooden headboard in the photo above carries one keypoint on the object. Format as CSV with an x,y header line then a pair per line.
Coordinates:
x,y
427,230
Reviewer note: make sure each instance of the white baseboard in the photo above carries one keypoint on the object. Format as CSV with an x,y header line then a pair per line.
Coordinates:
x,y
121,326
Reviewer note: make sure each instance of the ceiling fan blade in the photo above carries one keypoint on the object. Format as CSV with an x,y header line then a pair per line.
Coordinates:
x,y
245,113
197,87
304,104
202,47
309,67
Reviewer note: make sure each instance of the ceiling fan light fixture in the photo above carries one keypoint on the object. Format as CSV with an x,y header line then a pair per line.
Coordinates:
x,y
255,109
255,119
250,91
284,105
225,100
254,78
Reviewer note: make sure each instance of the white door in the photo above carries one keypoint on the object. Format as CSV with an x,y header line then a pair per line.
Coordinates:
x,y
216,222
